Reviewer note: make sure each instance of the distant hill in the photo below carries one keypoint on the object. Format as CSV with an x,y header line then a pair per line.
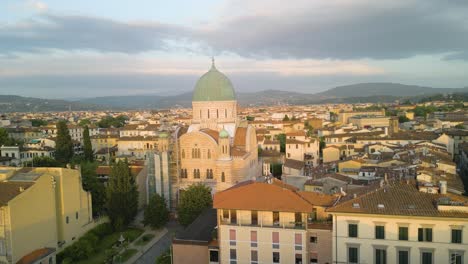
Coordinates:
x,y
14,103
356,93
389,89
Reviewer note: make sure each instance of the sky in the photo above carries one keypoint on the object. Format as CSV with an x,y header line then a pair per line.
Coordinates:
x,y
88,48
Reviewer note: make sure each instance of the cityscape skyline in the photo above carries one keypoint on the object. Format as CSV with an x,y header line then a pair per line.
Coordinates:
x,y
53,49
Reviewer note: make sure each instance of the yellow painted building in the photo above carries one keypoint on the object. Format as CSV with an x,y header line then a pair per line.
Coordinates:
x,y
42,209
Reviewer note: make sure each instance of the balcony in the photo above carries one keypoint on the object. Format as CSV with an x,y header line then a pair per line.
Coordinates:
x,y
278,224
320,224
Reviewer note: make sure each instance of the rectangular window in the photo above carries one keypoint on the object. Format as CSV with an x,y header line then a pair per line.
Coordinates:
x,y
276,257
298,241
298,219
225,214
313,239
352,230
403,257
253,238
254,217
275,239
233,256
457,236
298,259
253,257
233,216
214,256
276,219
380,256
425,234
380,232
426,258
353,255
456,257
403,233
232,237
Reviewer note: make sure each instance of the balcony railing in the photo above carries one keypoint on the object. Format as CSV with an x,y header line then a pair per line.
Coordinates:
x,y
285,225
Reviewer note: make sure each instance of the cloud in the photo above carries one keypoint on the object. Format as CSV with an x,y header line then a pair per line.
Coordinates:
x,y
266,29
58,32
342,29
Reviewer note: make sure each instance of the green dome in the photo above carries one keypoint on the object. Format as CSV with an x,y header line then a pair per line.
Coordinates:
x,y
213,86
163,135
223,134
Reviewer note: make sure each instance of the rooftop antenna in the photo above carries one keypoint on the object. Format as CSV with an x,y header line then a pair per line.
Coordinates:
x,y
212,62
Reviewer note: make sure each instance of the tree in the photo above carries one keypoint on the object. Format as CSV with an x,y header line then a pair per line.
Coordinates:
x,y
38,122
122,195
286,118
192,202
5,139
460,126
84,122
250,118
282,140
156,212
64,144
277,170
43,162
110,121
87,148
92,184
403,119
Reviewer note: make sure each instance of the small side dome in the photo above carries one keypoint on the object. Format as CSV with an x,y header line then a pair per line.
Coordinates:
x,y
163,135
223,134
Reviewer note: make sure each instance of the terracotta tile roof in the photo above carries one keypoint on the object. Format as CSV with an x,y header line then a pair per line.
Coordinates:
x,y
294,141
239,138
318,199
139,138
36,255
295,164
9,190
238,152
212,133
400,199
262,197
296,134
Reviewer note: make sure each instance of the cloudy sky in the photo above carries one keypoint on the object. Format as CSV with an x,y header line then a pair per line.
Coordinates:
x,y
86,48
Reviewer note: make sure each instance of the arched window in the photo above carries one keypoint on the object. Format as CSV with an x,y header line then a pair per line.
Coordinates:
x,y
200,113
225,113
217,113
198,153
209,154
193,153
208,113
183,154
223,177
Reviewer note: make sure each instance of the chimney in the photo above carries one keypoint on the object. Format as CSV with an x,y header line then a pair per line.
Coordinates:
x,y
443,187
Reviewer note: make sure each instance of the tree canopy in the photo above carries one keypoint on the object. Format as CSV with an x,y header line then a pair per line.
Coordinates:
x,y
87,147
156,212
5,139
192,202
63,144
110,121
122,195
92,184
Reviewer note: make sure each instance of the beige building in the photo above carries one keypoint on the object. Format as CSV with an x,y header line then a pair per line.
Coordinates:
x,y
272,223
41,210
331,153
139,146
400,224
365,121
344,117
218,149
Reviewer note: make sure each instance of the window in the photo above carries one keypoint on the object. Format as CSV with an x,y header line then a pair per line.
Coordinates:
x,y
402,233
456,257
214,256
425,234
196,173
253,257
233,216
380,232
209,154
353,255
298,259
276,257
426,257
276,219
232,237
403,256
225,214
352,230
223,177
298,241
76,215
380,256
457,236
254,217
298,219
275,240
253,238
313,239
233,256
183,154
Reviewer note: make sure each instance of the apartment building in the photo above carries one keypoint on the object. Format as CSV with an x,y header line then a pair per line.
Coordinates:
x,y
272,223
401,224
42,210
